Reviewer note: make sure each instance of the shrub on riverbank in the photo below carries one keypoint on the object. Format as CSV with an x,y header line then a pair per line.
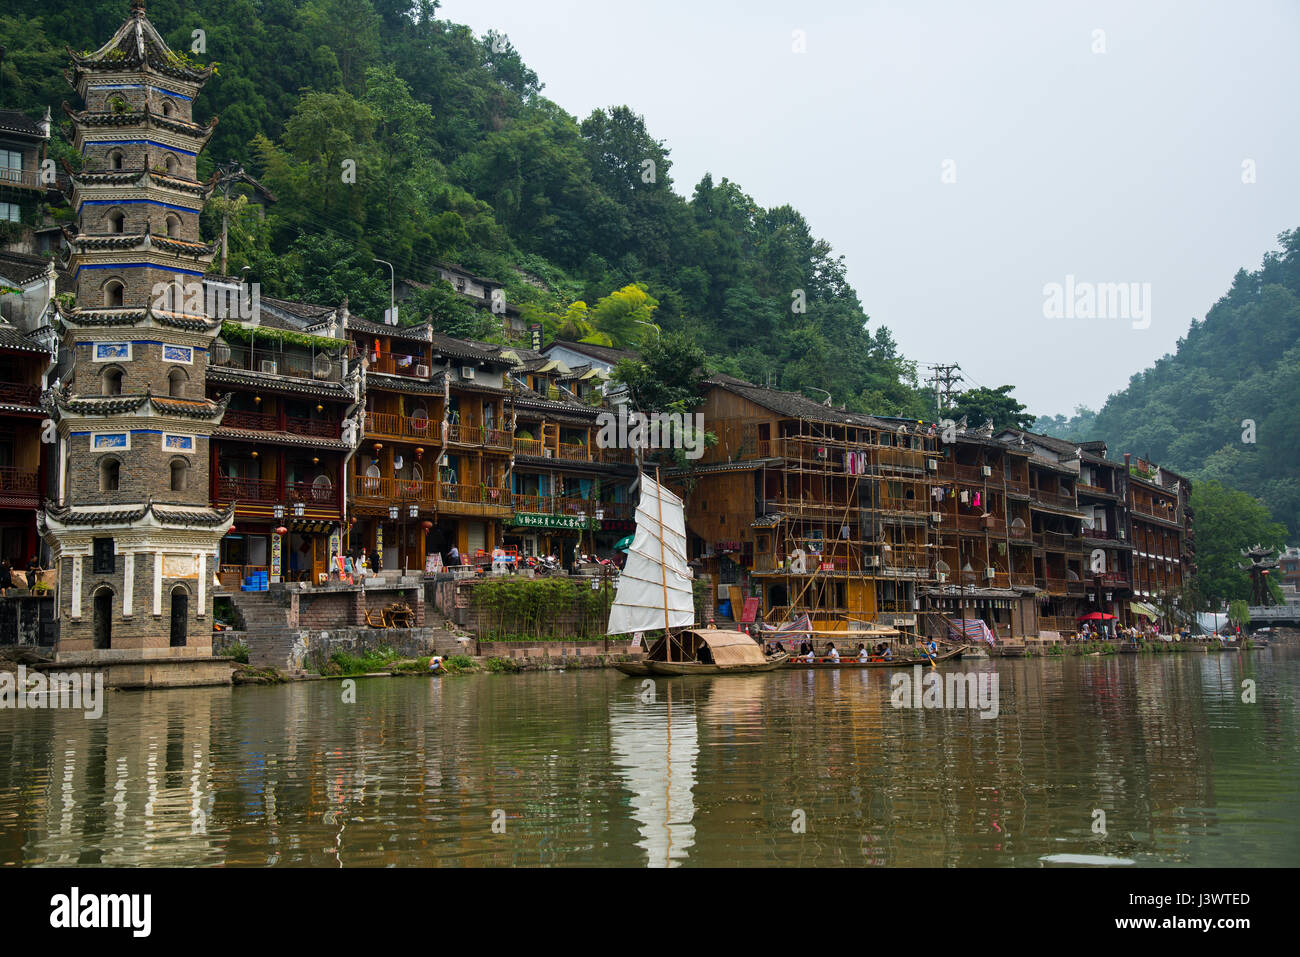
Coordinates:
x,y
374,659
527,609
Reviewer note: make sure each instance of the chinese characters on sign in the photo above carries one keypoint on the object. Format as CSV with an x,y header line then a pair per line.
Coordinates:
x,y
531,520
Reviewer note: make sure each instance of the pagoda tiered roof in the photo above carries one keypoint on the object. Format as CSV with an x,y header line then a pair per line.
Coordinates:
x,y
135,46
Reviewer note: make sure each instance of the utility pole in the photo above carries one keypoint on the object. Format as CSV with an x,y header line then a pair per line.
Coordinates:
x,y
944,377
228,174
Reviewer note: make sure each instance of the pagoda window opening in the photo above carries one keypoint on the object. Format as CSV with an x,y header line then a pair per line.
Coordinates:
x,y
117,221
170,163
110,472
114,294
180,471
176,380
168,108
115,160
173,227
111,381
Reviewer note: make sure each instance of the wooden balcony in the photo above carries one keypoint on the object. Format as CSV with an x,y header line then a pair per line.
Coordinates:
x,y
529,447
248,490
24,178
19,393
573,452
396,363
1057,624
20,488
1022,579
975,474
474,500
393,426
252,421
387,490
458,434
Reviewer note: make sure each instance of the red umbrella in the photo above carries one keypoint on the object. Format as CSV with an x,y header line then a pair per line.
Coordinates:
x,y
1096,616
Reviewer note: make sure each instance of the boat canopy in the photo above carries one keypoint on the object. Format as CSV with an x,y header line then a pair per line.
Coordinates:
x,y
723,647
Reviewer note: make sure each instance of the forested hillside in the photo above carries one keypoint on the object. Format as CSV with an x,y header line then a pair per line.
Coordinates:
x,y
458,156
1224,405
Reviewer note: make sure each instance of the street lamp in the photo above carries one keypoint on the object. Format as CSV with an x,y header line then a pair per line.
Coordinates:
x,y
392,293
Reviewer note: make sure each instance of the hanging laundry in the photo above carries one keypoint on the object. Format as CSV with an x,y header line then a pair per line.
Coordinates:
x,y
965,497
976,503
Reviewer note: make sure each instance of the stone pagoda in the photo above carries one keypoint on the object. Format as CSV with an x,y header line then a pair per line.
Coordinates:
x,y
133,536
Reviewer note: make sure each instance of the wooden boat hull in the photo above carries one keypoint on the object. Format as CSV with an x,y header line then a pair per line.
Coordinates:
x,y
633,669
801,662
686,668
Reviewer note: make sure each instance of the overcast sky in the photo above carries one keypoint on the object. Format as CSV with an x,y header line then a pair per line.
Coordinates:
x,y
1123,166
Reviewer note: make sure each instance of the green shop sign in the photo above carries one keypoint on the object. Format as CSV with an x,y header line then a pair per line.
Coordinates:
x,y
537,520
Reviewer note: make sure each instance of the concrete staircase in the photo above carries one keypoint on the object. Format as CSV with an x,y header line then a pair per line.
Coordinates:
x,y
267,634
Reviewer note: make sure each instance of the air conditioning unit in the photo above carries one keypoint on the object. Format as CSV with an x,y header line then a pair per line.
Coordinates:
x,y
467,372
936,517
269,365
932,464
821,452
988,472
872,561
989,574
422,371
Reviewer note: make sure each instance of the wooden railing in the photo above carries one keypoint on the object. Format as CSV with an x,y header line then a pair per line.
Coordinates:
x,y
317,428
574,451
19,487
253,421
475,495
464,434
20,393
1056,623
390,490
403,426
247,490
29,178
497,438
528,447
397,363
312,494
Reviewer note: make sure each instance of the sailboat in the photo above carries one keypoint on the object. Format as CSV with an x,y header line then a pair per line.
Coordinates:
x,y
655,591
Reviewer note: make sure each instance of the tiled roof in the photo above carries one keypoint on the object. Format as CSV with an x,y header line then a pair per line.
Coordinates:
x,y
16,121
789,403
295,315
603,353
271,382
21,268
418,333
165,513
466,349
12,339
278,438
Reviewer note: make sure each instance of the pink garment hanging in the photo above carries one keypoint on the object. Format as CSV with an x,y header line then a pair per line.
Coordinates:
x,y
976,503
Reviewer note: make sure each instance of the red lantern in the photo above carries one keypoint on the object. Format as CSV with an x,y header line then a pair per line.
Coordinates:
x,y
281,530
426,525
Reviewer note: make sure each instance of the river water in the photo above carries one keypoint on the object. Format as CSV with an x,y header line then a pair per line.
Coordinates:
x,y
592,768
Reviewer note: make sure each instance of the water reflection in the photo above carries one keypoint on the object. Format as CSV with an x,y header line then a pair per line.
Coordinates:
x,y
574,768
653,746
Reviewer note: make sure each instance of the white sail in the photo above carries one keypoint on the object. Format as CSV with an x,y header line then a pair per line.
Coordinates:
x,y
656,571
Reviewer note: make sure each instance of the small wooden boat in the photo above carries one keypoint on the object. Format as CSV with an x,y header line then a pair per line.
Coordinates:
x,y
704,651
636,669
852,662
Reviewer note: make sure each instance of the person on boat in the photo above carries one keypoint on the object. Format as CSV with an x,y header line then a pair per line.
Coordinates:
x,y
832,652
810,656
933,647
863,654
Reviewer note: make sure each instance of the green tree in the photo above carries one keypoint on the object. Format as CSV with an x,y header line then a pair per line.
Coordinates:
x,y
1226,521
980,405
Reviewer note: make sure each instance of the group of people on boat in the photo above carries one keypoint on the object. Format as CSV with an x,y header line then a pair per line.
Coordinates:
x,y
883,651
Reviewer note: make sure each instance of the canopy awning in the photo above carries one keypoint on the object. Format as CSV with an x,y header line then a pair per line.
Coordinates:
x,y
1142,608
